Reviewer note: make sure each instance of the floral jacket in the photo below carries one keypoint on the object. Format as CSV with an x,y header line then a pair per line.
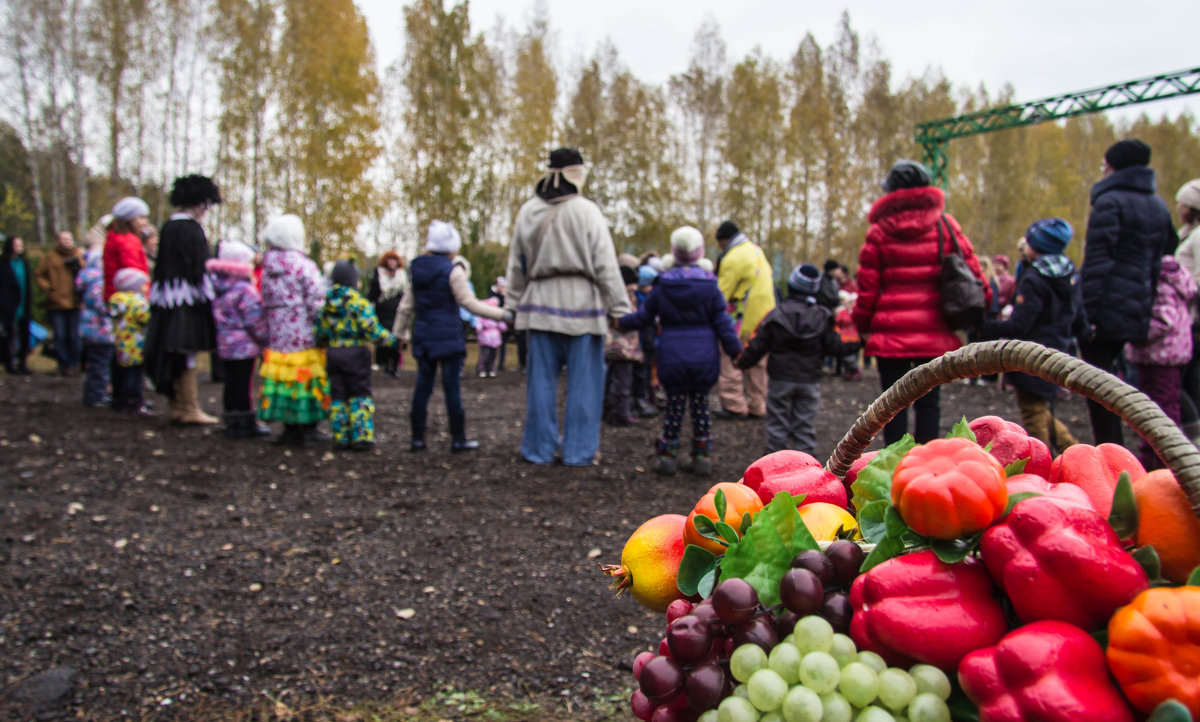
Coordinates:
x,y
95,325
348,319
131,312
238,313
293,290
1170,339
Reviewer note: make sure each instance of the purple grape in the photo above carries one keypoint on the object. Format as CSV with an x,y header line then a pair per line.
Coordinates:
x,y
785,622
847,558
678,608
735,601
704,610
760,630
705,686
817,563
661,680
837,611
690,639
801,591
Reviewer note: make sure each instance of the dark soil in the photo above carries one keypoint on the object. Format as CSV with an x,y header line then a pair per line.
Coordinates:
x,y
183,575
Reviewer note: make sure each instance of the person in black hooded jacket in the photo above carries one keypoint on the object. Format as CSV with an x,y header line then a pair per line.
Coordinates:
x,y
1128,228
798,334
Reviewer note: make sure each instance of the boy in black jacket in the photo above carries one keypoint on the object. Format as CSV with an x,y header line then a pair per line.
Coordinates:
x,y
798,334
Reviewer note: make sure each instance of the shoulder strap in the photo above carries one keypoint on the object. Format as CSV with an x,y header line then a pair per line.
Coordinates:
x,y
953,237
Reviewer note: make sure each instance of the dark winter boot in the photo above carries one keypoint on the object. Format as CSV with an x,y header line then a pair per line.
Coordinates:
x,y
702,456
253,428
458,434
666,457
416,420
293,435
235,424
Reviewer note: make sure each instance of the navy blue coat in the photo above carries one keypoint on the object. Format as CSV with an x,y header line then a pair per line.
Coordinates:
x,y
1047,309
798,334
437,329
1128,228
690,307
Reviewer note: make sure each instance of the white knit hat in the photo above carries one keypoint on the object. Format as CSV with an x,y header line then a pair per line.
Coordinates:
x,y
130,207
285,232
130,279
235,252
442,238
687,244
1189,194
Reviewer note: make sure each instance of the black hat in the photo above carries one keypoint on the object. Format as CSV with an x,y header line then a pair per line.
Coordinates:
x,y
190,191
563,157
1126,153
831,265
629,275
727,230
907,174
344,273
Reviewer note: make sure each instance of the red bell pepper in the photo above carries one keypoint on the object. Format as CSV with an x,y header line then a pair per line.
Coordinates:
x,y
798,474
1046,671
917,608
1061,562
1065,493
1096,470
1010,443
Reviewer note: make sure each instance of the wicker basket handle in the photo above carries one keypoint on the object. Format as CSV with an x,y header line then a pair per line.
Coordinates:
x,y
989,357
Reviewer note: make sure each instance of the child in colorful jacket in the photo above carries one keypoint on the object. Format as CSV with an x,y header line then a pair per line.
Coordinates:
x,y
346,324
95,330
489,333
241,334
130,312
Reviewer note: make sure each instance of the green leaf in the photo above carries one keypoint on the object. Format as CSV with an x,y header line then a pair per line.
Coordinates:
x,y
1017,498
719,503
707,528
1147,556
1170,711
872,520
1017,467
1194,578
747,520
874,482
1124,516
766,550
708,581
1101,636
961,707
893,524
887,548
696,563
953,551
962,430
727,532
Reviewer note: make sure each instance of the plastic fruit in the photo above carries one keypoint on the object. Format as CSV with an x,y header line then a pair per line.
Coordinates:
x,y
859,464
825,520
662,680
739,499
1011,443
1167,523
847,558
650,562
798,474
949,488
735,601
1096,470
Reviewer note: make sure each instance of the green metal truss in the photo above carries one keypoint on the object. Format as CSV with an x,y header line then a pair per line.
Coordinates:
x,y
935,135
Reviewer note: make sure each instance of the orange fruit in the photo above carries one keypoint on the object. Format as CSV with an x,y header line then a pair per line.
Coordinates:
x,y
1167,523
739,499
649,566
824,520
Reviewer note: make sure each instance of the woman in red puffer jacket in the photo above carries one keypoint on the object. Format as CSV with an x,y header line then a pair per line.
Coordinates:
x,y
899,307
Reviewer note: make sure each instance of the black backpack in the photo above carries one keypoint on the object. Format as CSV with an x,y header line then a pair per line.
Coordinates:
x,y
963,301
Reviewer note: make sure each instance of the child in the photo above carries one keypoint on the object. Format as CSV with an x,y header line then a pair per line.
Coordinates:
x,y
643,373
131,312
798,334
690,308
1048,309
95,330
1162,357
843,323
438,288
241,334
623,353
346,324
490,335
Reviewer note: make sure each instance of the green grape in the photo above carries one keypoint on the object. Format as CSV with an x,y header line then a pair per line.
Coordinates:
x,y
835,708
872,660
802,705
843,650
874,714
899,718
767,690
736,709
931,679
775,716
820,672
784,660
746,660
928,707
790,639
741,691
896,689
710,716
859,684
813,634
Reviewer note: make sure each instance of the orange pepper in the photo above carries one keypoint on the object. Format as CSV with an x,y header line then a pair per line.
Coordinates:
x,y
739,499
1154,648
949,488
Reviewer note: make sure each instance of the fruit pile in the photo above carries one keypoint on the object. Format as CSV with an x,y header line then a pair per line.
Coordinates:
x,y
972,577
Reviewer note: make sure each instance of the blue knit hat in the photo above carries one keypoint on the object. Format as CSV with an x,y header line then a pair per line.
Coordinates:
x,y
805,279
646,275
1049,236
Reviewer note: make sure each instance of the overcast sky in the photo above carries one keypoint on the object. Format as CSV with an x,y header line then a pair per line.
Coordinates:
x,y
1041,47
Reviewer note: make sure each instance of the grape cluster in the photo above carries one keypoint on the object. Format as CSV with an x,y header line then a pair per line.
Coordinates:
x,y
693,673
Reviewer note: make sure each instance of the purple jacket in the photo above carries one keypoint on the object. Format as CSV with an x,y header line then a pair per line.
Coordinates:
x,y
293,291
95,325
237,311
1170,339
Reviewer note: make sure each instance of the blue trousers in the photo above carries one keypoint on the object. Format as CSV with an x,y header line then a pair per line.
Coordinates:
x,y
583,358
99,362
451,376
67,345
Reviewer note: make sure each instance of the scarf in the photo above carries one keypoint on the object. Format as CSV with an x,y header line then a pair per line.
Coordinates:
x,y
393,285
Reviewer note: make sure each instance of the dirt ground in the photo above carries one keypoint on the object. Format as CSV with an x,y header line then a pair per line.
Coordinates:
x,y
178,574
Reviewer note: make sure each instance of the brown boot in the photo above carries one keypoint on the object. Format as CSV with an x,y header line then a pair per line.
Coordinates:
x,y
187,396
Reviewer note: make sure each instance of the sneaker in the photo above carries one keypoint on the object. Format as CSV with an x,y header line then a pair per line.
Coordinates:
x,y
666,466
701,466
362,446
482,375
491,374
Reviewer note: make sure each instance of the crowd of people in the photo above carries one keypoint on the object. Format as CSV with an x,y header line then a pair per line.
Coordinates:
x,y
636,336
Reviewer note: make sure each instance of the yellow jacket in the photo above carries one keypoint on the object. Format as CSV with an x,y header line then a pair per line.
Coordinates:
x,y
745,277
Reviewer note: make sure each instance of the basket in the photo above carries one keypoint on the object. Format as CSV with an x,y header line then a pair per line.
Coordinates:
x,y
990,357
